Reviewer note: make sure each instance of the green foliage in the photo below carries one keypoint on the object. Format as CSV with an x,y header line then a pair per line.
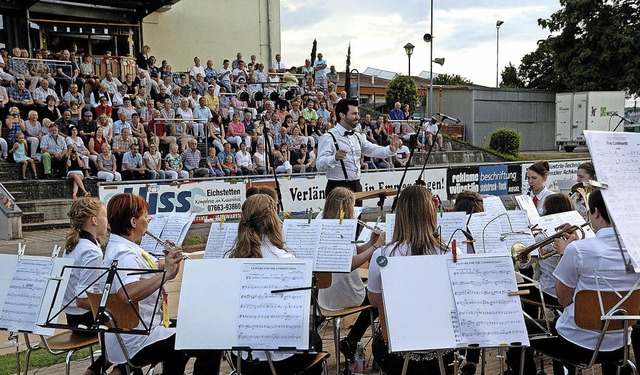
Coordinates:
x,y
505,141
347,77
593,46
39,359
314,48
451,80
402,89
510,77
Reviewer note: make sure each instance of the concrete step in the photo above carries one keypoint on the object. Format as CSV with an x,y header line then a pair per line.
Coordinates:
x,y
52,209
47,189
32,217
17,195
48,224
11,171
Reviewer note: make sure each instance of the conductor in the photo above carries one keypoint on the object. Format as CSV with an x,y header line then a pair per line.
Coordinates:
x,y
340,149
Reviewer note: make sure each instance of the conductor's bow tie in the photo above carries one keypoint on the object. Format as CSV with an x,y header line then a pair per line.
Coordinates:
x,y
349,132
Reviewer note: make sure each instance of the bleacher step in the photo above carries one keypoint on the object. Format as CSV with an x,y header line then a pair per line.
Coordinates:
x,y
32,217
48,224
52,209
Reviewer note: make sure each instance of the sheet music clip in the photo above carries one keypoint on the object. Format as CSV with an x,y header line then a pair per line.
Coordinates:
x,y
595,184
523,292
310,215
54,278
222,218
21,249
341,216
55,252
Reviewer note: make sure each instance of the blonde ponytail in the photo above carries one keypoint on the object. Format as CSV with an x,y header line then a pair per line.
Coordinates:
x,y
81,211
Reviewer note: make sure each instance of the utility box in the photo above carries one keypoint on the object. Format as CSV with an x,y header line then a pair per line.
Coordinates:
x,y
10,217
580,111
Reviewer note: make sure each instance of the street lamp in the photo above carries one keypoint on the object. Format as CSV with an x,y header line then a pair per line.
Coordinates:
x,y
498,24
408,48
429,39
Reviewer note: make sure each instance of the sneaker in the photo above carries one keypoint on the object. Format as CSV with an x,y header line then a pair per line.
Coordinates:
x,y
348,349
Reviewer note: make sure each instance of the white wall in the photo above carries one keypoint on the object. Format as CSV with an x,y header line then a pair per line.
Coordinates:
x,y
214,29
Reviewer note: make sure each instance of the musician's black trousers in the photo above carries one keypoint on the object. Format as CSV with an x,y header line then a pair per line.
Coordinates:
x,y
562,349
362,323
175,361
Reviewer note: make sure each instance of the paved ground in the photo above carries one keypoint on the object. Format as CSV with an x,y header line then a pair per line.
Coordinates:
x,y
37,243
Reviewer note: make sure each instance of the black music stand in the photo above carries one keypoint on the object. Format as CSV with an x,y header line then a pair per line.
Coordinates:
x,y
101,317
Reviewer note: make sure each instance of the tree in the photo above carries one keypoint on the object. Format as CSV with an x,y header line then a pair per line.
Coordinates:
x,y
314,48
402,89
347,76
593,46
451,80
510,77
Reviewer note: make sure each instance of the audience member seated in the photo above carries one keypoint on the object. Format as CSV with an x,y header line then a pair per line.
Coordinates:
x,y
191,160
50,111
42,92
173,164
108,165
54,153
213,164
64,123
21,98
122,143
75,174
133,165
75,143
87,127
243,161
153,162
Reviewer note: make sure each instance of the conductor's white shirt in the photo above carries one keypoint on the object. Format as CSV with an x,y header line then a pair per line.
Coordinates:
x,y
355,145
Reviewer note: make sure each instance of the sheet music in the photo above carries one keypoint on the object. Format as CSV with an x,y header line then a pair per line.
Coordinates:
x,y
448,223
271,320
335,248
220,240
493,204
549,223
27,288
616,157
526,203
177,227
326,241
497,236
487,315
390,222
155,227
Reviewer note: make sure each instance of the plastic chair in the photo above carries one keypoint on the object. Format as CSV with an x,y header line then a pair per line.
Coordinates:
x,y
324,281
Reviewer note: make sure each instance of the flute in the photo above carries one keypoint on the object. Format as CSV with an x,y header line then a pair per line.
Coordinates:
x,y
375,230
167,246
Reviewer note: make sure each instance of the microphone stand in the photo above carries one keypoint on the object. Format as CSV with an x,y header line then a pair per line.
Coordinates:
x,y
268,155
413,142
434,139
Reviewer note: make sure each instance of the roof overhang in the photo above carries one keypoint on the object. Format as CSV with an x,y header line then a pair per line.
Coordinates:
x,y
128,11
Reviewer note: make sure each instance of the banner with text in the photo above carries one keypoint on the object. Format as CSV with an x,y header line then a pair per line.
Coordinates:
x,y
486,180
558,171
208,199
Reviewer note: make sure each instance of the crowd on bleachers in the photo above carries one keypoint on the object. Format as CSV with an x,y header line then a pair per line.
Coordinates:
x,y
151,124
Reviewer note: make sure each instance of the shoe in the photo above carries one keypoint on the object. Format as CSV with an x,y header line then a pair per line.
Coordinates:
x,y
23,178
74,196
442,149
468,369
48,176
348,349
88,194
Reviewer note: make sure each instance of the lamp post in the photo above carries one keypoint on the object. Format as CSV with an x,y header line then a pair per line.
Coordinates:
x,y
408,48
429,39
498,24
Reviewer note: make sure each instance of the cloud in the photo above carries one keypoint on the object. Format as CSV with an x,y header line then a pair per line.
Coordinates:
x,y
377,30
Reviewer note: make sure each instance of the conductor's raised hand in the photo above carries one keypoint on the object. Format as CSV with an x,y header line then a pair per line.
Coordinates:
x,y
394,140
341,155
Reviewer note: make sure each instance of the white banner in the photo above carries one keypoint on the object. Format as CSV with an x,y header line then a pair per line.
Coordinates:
x,y
558,171
207,199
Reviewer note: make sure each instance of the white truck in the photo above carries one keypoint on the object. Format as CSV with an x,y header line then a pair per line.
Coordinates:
x,y
580,111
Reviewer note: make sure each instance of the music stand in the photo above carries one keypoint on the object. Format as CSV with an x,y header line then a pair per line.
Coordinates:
x,y
101,317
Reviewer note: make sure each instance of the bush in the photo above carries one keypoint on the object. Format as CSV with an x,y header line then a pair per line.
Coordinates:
x,y
402,89
506,141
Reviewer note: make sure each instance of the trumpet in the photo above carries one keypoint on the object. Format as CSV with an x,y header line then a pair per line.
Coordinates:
x,y
167,246
522,254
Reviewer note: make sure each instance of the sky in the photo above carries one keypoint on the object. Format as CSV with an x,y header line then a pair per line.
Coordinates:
x,y
464,33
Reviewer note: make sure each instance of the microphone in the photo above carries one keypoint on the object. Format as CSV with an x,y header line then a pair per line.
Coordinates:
x,y
625,119
445,117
